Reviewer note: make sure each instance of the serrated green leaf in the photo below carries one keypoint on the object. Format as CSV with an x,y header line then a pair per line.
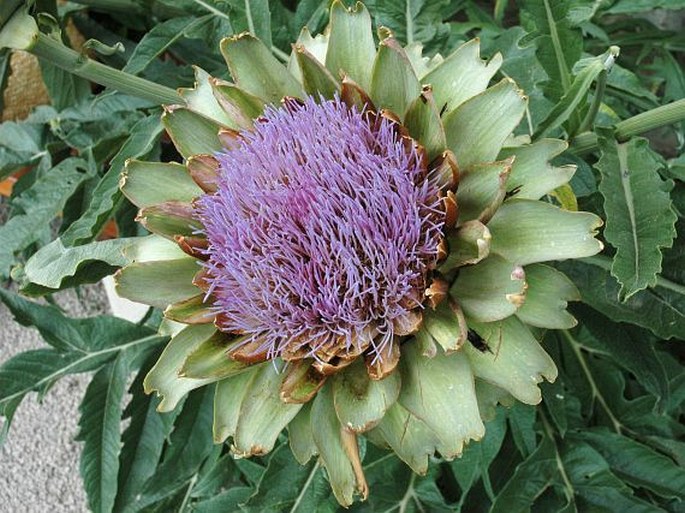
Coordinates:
x,y
90,335
461,76
515,360
100,430
596,488
547,297
39,205
542,232
532,175
106,197
414,20
559,45
637,464
639,216
660,309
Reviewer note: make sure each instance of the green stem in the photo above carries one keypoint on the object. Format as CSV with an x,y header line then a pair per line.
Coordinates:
x,y
79,64
569,490
589,119
660,116
654,118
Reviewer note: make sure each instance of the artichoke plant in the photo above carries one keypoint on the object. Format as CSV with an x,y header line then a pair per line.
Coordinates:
x,y
353,247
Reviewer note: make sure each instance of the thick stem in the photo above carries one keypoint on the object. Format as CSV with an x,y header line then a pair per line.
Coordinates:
x,y
79,64
654,118
645,121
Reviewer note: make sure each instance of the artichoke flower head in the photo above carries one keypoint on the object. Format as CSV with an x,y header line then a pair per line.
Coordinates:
x,y
353,247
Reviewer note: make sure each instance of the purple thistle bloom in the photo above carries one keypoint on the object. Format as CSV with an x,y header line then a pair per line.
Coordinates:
x,y
321,233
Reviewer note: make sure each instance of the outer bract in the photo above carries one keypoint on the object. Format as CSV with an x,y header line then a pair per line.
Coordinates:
x,y
354,246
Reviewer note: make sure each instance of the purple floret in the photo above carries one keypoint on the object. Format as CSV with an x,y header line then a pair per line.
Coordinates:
x,y
322,230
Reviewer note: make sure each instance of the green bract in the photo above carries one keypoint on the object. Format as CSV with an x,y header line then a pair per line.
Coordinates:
x,y
473,347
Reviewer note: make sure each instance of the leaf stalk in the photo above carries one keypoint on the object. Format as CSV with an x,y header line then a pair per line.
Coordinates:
x,y
664,115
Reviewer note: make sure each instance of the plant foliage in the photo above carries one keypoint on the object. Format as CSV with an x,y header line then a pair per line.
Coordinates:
x,y
609,435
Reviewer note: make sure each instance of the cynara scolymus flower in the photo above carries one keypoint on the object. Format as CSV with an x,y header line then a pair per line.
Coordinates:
x,y
322,233
352,247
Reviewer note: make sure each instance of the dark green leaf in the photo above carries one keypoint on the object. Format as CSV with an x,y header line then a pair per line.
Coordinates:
x,y
639,217
230,500
660,309
638,464
599,490
414,21
532,478
521,420
559,45
99,429
160,38
81,345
